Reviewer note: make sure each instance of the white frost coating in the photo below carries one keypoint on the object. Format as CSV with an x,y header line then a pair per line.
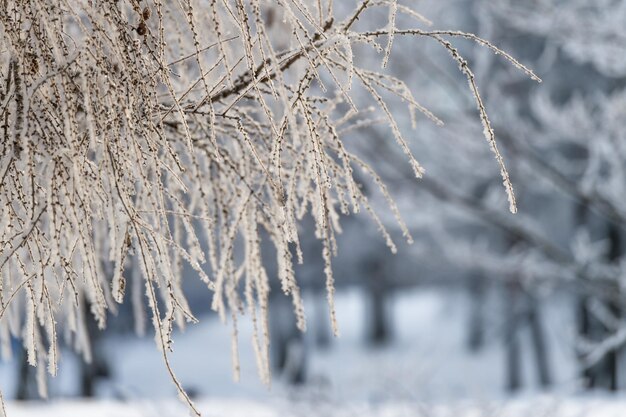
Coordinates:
x,y
139,144
391,29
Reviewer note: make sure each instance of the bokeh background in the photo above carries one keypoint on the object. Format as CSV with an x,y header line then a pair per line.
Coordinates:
x,y
486,313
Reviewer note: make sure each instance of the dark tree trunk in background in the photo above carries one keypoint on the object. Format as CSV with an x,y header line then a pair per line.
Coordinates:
x,y
584,329
476,325
322,320
604,373
585,325
99,367
288,348
378,328
522,310
538,342
511,339
615,253
27,379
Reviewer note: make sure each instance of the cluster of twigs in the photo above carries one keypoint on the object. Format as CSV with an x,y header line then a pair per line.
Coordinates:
x,y
150,135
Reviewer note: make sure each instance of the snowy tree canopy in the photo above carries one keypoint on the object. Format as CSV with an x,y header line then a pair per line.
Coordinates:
x,y
152,135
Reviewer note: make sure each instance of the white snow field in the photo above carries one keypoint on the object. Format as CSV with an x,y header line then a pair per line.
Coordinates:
x,y
426,371
538,407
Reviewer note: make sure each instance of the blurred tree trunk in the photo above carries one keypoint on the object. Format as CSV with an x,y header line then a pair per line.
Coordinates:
x,y
522,309
322,319
98,368
585,327
615,253
288,348
378,328
604,373
539,342
378,331
584,330
476,326
511,339
27,379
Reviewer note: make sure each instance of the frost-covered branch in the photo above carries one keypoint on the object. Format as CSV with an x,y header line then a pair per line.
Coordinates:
x,y
173,134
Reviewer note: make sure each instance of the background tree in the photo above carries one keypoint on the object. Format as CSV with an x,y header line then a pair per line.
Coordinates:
x,y
565,144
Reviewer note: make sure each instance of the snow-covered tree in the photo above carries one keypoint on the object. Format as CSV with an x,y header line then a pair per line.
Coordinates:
x,y
569,135
151,135
565,143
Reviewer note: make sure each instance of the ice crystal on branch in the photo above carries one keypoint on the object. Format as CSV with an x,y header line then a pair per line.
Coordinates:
x,y
152,135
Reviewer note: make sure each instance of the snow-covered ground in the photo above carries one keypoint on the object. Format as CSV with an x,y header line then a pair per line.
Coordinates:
x,y
426,371
532,407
